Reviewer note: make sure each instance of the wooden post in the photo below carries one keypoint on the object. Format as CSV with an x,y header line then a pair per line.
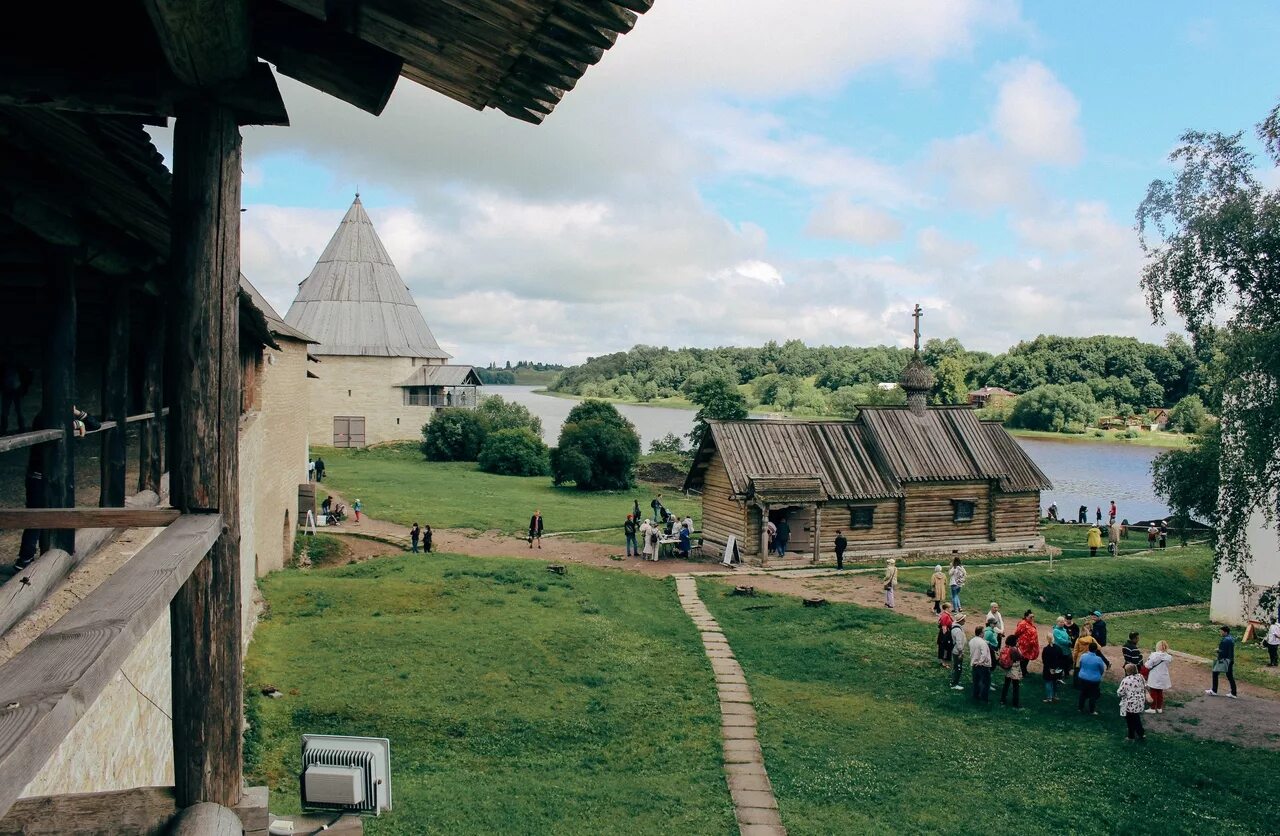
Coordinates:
x,y
208,687
152,432
902,522
57,394
991,511
764,534
115,400
817,533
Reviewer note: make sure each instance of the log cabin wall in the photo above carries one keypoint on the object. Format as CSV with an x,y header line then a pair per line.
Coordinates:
x,y
721,514
883,534
1017,516
930,514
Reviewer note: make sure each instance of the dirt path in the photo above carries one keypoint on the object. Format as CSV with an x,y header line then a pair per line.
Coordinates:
x,y
557,548
1190,677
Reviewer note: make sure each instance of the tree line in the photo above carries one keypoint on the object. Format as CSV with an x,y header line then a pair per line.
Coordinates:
x,y
1066,381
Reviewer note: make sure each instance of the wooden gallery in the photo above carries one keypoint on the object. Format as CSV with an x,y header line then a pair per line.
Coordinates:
x,y
123,711
895,481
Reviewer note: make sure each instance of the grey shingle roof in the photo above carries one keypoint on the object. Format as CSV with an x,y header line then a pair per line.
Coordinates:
x,y
275,324
442,376
355,303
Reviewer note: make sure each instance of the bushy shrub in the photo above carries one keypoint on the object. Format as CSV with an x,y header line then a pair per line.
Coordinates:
x,y
499,414
1053,407
515,452
454,435
1188,415
598,449
669,443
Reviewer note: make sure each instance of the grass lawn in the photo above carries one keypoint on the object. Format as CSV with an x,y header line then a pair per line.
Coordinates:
x,y
516,701
395,484
1177,576
1144,439
861,735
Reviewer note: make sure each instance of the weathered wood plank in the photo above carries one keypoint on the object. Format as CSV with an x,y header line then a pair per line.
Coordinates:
x,y
207,819
206,42
48,687
208,676
144,810
72,518
115,399
58,383
28,439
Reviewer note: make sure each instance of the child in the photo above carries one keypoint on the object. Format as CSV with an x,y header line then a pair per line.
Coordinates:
x,y
356,506
1133,701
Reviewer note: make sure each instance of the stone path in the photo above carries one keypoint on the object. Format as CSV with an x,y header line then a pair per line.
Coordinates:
x,y
753,803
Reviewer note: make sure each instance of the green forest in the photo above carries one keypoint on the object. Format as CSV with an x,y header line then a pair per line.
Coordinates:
x,y
1064,383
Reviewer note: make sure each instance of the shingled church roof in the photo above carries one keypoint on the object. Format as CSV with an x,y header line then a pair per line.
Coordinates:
x,y
355,303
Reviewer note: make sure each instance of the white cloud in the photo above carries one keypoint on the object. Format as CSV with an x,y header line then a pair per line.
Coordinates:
x,y
980,175
841,219
1036,115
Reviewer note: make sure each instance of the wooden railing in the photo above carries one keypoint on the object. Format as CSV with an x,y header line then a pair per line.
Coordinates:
x,y
48,686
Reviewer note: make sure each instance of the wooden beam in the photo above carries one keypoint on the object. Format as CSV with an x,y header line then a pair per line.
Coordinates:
x,y
51,683
144,810
62,519
204,349
58,387
323,56
205,42
28,439
123,94
115,399
151,437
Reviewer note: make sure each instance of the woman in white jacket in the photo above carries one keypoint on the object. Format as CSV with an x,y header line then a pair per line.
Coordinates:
x,y
1159,679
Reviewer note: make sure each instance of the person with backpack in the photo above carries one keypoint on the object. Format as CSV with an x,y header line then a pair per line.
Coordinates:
x,y
1012,663
1089,677
944,635
629,531
980,666
939,588
1133,701
1159,677
957,652
958,578
1055,670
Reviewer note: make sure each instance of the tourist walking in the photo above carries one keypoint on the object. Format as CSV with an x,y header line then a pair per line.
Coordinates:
x,y
1164,533
771,535
414,534
1113,538
1225,663
1098,512
1130,651
1015,668
426,538
841,545
784,535
1054,661
1089,678
957,652
939,581
1133,701
1099,629
944,635
1113,512
356,507
319,469
891,582
629,531
1159,677
656,505
980,667
958,577
535,528
1273,641
1084,514
1095,540
1027,640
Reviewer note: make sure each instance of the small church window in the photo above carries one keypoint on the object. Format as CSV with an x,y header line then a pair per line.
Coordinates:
x,y
963,510
861,516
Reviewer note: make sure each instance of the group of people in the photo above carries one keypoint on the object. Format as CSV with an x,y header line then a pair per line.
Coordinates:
x,y
1073,653
315,470
420,533
645,536
953,580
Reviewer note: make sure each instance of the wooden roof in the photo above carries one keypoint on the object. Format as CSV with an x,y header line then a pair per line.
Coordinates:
x,y
870,457
442,376
274,323
354,301
144,57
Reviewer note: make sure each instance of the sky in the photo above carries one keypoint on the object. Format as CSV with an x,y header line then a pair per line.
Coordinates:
x,y
736,171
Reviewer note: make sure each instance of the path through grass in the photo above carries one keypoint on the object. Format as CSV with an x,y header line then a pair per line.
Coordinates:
x,y
517,701
861,735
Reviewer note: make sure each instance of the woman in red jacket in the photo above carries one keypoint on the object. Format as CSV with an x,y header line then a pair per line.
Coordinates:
x,y
1028,640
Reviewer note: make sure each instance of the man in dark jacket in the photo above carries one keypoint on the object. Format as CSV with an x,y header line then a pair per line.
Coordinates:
x,y
1099,629
1225,663
841,545
414,534
535,529
629,529
319,469
1132,653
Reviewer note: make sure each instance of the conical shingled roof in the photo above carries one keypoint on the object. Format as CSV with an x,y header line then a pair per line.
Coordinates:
x,y
355,303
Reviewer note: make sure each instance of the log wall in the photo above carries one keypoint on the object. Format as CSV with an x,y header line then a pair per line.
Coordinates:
x,y
1017,515
723,515
929,520
883,533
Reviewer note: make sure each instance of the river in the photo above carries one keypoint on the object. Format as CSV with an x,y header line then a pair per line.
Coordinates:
x,y
1082,472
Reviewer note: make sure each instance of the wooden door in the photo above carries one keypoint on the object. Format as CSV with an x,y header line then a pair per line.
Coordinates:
x,y
348,431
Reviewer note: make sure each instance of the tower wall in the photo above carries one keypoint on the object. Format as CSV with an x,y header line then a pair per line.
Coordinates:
x,y
366,387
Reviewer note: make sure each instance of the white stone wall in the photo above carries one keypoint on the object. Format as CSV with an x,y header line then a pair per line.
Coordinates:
x,y
1228,603
366,387
125,739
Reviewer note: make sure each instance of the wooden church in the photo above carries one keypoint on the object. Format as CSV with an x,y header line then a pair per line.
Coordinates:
x,y
902,480
382,375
